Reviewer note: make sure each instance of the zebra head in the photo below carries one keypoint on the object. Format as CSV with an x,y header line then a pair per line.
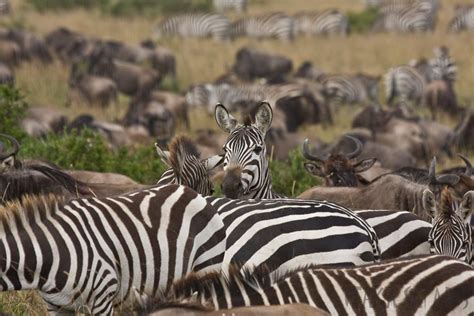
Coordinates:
x,y
451,233
8,159
337,169
186,167
246,171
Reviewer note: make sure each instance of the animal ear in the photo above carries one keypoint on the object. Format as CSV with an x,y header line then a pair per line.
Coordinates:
x,y
264,117
314,169
364,165
163,154
449,179
467,206
224,119
213,162
429,203
9,161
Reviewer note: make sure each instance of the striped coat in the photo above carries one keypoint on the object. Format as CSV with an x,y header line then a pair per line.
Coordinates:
x,y
433,285
140,241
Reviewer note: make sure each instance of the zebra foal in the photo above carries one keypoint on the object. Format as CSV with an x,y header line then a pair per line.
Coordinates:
x,y
432,285
89,254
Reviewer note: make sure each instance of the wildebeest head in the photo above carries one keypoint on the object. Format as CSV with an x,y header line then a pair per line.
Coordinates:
x,y
186,167
451,233
8,159
245,163
337,169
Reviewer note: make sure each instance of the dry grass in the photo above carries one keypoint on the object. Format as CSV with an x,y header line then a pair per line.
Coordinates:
x,y
204,60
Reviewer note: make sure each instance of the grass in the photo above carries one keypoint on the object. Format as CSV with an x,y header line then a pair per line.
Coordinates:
x,y
204,60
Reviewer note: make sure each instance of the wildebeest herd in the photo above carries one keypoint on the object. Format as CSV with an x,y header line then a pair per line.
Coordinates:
x,y
388,232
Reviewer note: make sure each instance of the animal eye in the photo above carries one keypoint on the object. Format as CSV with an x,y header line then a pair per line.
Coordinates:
x,y
257,149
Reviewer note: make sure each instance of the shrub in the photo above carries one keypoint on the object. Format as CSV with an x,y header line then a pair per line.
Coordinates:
x,y
360,22
44,5
12,110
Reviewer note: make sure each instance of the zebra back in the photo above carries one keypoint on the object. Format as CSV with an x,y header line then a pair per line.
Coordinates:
x,y
327,22
271,25
417,285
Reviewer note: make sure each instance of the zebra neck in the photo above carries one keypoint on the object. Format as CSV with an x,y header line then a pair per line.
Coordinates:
x,y
264,190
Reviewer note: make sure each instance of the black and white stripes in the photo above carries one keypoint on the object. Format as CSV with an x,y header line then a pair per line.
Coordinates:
x,y
434,285
270,25
327,22
463,19
88,254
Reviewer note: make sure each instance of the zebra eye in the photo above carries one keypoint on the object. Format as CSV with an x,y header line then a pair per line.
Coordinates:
x,y
257,149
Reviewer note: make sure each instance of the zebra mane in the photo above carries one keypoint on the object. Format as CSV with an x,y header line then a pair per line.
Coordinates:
x,y
446,206
30,207
184,143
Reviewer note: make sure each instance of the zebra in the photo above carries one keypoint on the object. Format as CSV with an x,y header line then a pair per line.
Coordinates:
x,y
5,7
443,67
418,17
328,22
452,232
270,25
428,285
186,167
92,254
359,88
194,25
405,82
463,19
246,173
239,6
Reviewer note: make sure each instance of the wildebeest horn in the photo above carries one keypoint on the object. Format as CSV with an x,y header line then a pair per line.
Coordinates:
x,y
468,171
16,146
358,149
306,153
432,171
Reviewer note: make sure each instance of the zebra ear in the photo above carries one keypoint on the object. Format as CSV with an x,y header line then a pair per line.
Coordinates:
x,y
429,203
163,154
263,117
213,162
467,206
224,119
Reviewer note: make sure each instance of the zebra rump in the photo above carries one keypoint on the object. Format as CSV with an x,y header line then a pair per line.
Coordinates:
x,y
283,233
431,285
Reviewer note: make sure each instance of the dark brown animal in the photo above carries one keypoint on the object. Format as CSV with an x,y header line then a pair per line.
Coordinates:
x,y
338,169
33,47
251,64
6,75
68,45
440,95
40,121
10,53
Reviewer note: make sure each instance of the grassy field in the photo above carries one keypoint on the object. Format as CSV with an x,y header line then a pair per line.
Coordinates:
x,y
204,60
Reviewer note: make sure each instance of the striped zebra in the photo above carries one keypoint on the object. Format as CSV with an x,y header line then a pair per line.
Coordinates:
x,y
452,233
5,7
417,17
270,25
430,285
404,82
89,254
443,67
463,19
208,95
186,166
328,22
240,6
359,88
194,25
246,173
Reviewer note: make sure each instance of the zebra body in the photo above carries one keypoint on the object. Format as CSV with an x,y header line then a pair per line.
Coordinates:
x,y
271,25
194,25
89,254
283,233
431,285
443,67
404,82
463,19
239,6
351,89
328,22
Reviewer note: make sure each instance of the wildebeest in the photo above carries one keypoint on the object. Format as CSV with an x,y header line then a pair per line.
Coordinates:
x,y
440,95
68,45
33,47
90,88
40,121
130,79
464,131
6,75
251,64
10,52
18,178
337,169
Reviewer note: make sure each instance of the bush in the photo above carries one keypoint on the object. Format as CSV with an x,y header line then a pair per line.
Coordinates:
x,y
12,111
44,5
290,177
360,22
